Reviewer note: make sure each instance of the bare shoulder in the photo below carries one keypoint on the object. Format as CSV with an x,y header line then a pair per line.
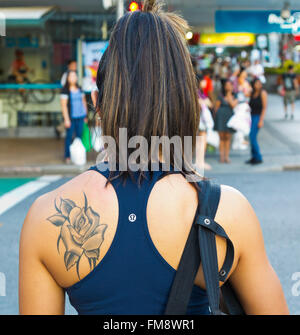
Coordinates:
x,y
49,201
45,205
44,230
251,271
236,215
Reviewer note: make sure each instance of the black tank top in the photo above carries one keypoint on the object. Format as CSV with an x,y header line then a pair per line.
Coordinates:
x,y
133,277
256,105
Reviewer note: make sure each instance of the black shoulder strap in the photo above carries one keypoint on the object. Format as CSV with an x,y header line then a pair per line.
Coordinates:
x,y
204,230
182,286
207,231
187,269
209,255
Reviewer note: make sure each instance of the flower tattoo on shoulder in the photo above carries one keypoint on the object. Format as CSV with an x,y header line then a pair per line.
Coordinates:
x,y
80,231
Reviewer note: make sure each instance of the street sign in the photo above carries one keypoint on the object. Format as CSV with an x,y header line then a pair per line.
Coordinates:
x,y
256,21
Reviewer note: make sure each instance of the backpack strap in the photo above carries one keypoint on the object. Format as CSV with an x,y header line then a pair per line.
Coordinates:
x,y
188,267
206,230
206,223
183,283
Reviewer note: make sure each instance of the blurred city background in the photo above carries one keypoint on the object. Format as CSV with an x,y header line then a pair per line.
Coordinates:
x,y
229,40
44,36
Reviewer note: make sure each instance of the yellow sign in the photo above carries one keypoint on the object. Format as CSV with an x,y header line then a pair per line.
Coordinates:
x,y
226,39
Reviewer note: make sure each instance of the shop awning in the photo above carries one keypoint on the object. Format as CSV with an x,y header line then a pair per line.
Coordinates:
x,y
35,86
26,16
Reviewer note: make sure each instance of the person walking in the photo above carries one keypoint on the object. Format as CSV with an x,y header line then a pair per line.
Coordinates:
x,y
113,236
74,110
258,104
223,112
291,89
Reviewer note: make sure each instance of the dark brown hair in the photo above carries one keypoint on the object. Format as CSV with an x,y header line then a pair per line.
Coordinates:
x,y
146,80
66,87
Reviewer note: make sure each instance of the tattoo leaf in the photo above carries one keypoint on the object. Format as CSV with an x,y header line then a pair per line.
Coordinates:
x,y
85,202
57,220
77,268
70,259
66,206
57,244
56,206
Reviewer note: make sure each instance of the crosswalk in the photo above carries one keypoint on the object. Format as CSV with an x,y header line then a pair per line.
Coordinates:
x,y
15,195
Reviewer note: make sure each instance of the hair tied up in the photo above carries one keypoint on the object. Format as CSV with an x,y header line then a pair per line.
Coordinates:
x,y
151,6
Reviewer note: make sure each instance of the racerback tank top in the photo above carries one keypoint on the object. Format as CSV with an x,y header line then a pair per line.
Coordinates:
x,y
132,278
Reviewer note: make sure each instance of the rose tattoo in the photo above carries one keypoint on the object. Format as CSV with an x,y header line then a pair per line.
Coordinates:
x,y
80,231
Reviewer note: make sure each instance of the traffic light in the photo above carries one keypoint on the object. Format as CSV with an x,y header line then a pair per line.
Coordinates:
x,y
134,6
194,38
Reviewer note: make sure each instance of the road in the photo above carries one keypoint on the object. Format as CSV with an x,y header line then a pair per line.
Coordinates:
x,y
275,197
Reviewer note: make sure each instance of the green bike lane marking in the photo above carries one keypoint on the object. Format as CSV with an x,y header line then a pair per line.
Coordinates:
x,y
16,190
8,184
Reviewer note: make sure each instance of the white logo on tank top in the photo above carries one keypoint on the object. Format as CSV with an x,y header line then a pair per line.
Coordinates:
x,y
132,217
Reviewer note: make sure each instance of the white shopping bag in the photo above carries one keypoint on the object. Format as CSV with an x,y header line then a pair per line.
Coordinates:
x,y
97,141
241,119
213,138
206,118
78,152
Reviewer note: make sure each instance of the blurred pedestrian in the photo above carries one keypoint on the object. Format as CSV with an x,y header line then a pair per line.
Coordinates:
x,y
19,68
291,89
223,112
71,66
74,109
208,87
258,104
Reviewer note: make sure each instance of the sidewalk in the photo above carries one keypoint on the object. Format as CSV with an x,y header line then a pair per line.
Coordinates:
x,y
279,141
37,156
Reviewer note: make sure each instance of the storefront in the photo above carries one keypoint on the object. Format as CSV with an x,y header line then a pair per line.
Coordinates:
x,y
47,38
222,45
